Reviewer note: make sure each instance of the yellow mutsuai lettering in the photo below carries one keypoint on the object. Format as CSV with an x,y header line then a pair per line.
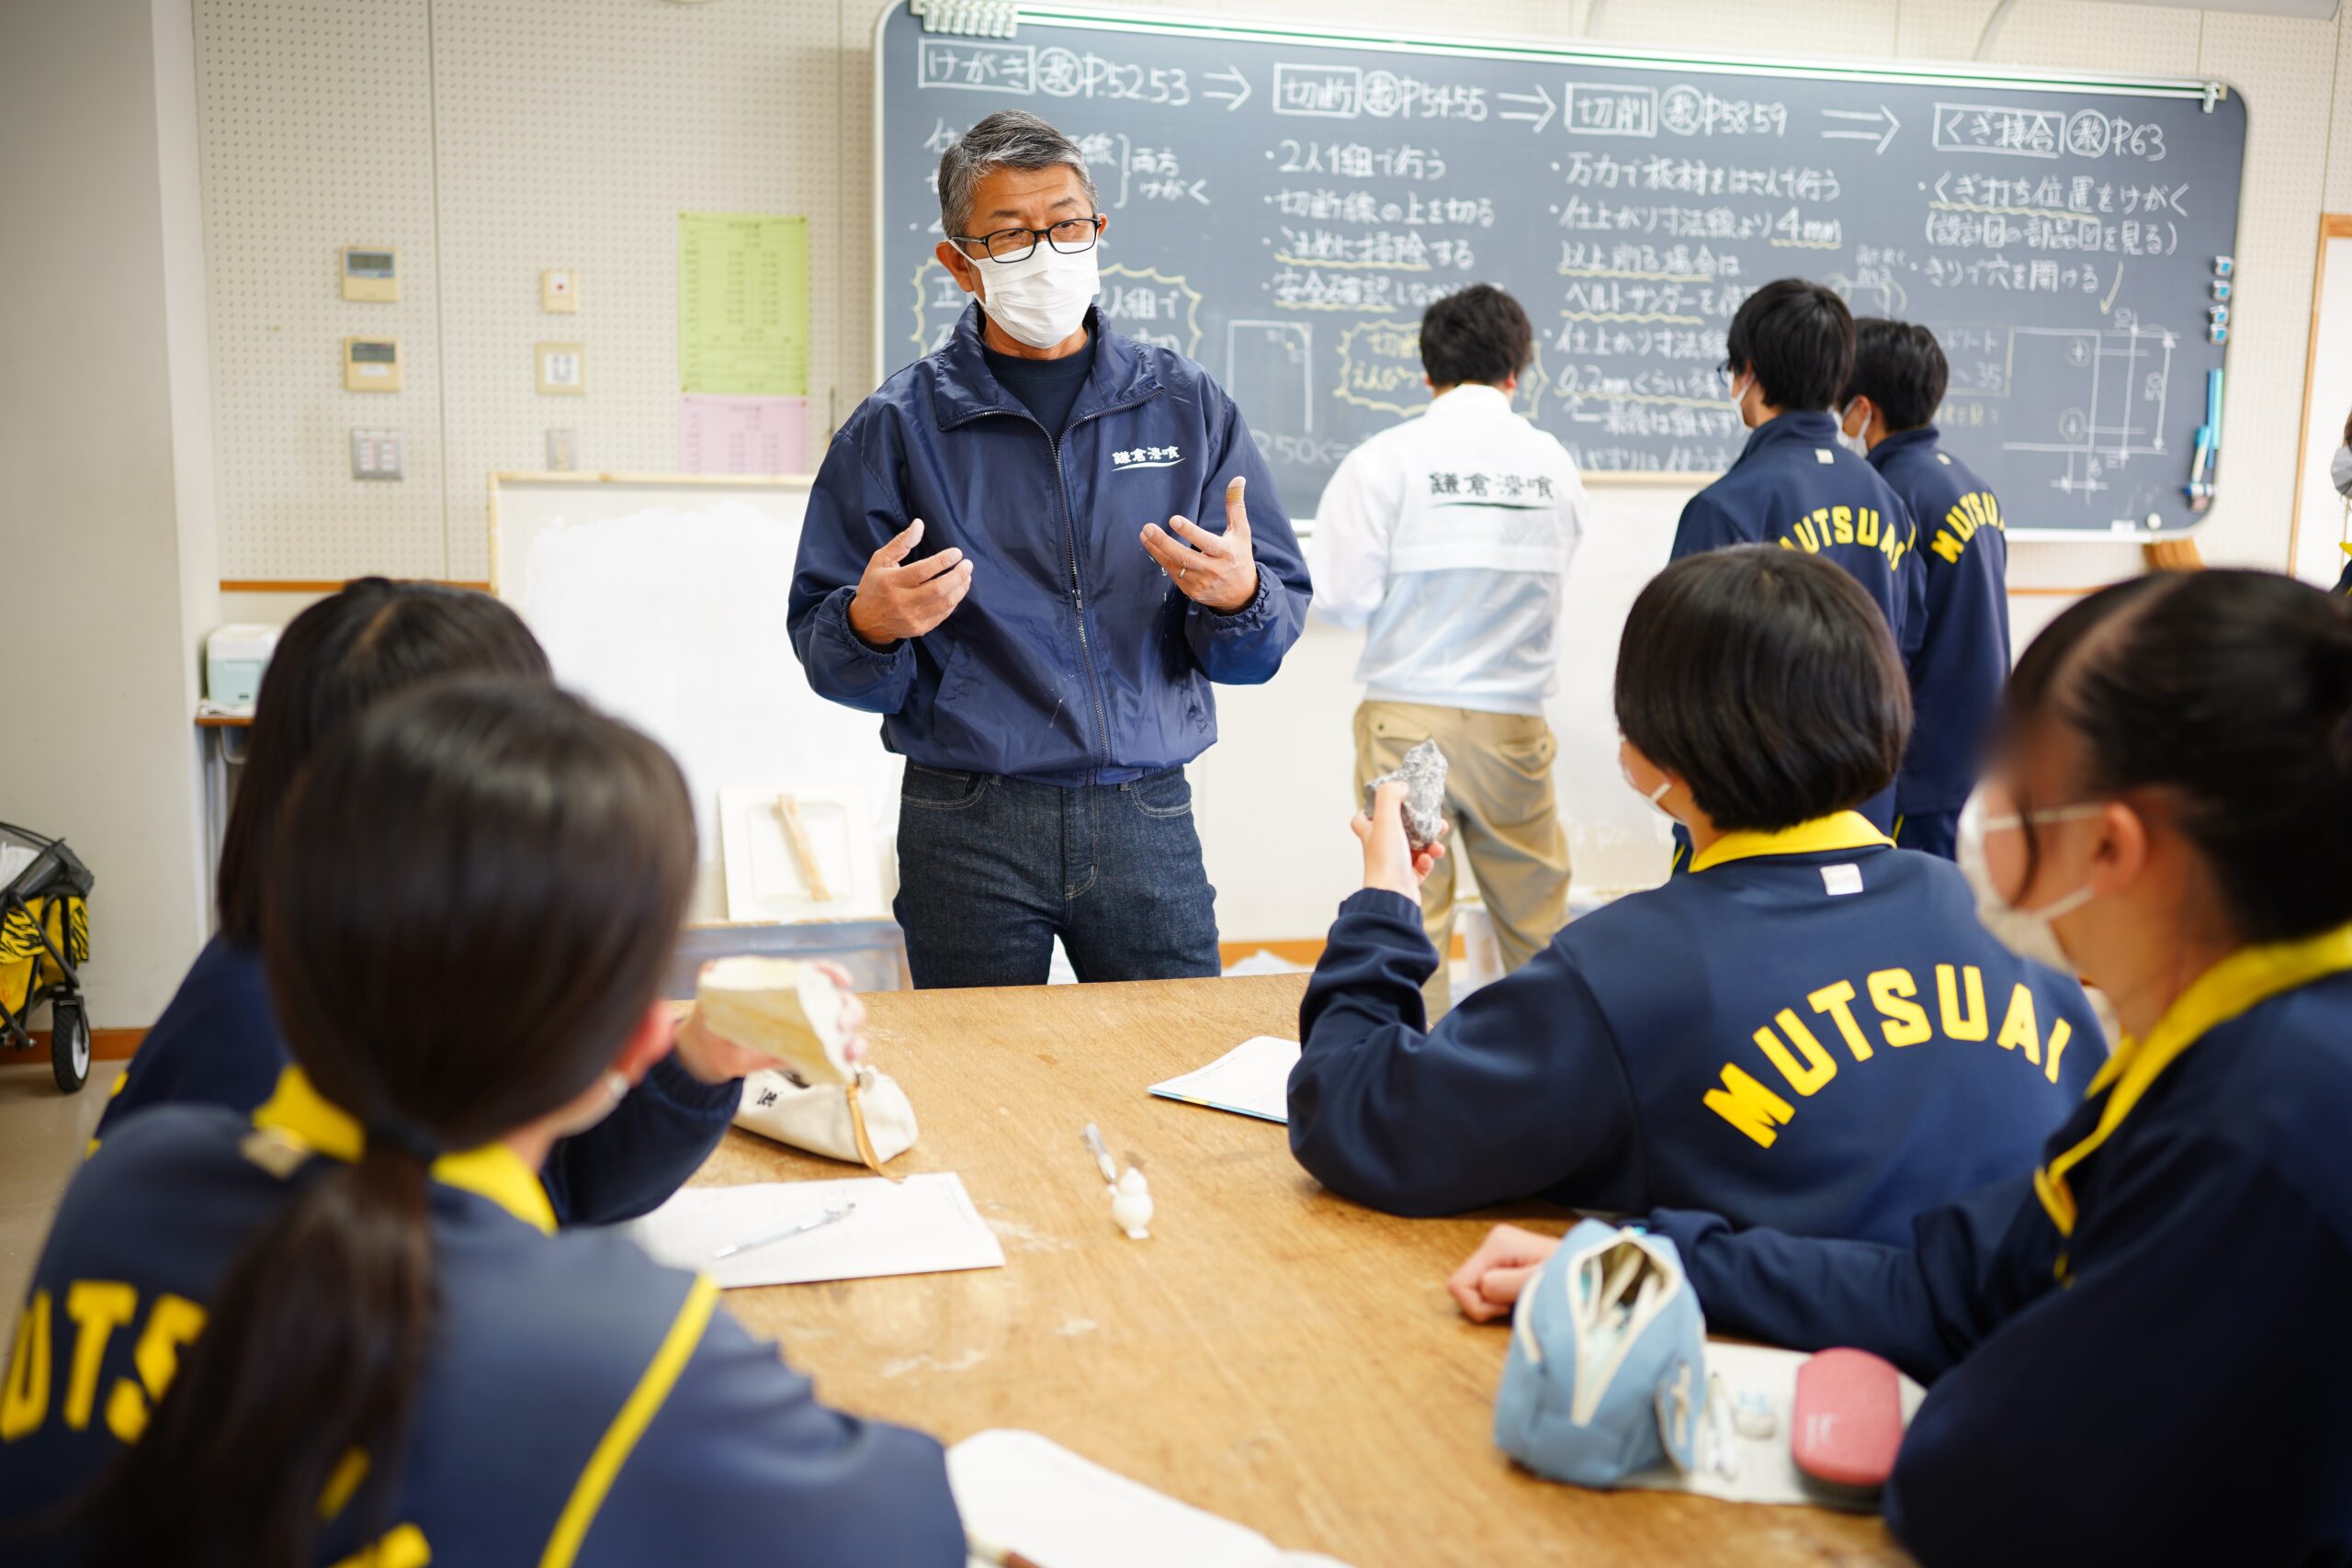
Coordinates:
x,y
402,1548
2020,1028
1838,1001
2060,1032
98,1307
24,1397
1841,524
171,1322
1973,1024
1818,1067
1749,1106
1905,1022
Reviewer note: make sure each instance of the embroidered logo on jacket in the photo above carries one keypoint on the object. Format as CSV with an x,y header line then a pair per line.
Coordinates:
x,y
1147,457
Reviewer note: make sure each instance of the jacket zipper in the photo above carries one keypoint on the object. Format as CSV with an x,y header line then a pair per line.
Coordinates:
x,y
1077,588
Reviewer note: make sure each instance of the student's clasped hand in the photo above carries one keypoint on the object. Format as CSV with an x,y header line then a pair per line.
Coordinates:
x,y
713,1058
1488,1286
1219,570
1390,861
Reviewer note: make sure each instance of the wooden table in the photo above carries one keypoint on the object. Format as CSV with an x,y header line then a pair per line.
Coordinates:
x,y
1272,1353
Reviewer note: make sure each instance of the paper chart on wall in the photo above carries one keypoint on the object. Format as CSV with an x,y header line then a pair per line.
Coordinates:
x,y
743,304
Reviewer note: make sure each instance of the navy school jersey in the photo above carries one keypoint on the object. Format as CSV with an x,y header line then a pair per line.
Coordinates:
x,y
1795,486
581,1403
2137,1347
1810,1030
1964,653
2343,583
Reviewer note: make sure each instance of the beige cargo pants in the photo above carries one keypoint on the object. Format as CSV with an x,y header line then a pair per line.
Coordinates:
x,y
1502,820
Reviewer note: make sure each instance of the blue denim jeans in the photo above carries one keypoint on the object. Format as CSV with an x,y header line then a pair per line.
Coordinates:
x,y
991,869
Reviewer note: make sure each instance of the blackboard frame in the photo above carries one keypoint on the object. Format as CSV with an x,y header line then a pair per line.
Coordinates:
x,y
2209,90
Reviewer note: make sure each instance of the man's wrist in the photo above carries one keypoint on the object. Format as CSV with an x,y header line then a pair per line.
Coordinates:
x,y
1247,599
848,614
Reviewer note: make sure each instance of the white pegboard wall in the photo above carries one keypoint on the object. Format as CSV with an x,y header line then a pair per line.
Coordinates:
x,y
572,133
316,133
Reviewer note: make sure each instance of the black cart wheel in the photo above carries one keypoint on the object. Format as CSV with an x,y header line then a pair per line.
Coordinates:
x,y
69,1044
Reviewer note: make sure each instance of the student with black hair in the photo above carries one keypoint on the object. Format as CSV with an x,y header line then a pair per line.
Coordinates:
x,y
1811,1030
1890,406
1448,538
2136,1346
1787,359
345,1329
218,1042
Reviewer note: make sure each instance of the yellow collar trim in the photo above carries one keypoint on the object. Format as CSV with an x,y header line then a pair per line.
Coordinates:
x,y
493,1171
2237,985
1846,831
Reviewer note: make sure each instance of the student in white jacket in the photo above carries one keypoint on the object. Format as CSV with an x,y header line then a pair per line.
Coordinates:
x,y
1448,538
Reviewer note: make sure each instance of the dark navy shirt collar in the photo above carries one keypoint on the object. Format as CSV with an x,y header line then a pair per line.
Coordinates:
x,y
964,388
1810,428
1903,441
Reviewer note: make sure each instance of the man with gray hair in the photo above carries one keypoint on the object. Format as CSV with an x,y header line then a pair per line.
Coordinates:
x,y
1000,557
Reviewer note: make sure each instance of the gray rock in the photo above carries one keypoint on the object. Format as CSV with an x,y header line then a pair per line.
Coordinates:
x,y
1422,773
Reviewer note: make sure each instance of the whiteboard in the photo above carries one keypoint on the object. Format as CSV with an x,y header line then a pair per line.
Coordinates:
x,y
661,598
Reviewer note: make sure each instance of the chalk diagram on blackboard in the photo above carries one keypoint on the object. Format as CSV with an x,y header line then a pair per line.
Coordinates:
x,y
2111,388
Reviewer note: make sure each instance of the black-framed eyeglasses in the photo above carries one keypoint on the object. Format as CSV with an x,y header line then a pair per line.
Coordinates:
x,y
1071,236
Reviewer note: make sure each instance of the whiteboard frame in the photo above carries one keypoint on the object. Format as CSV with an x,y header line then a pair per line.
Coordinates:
x,y
641,481
2209,90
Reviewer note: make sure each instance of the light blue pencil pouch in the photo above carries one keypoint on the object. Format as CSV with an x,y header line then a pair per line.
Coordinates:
x,y
1608,1368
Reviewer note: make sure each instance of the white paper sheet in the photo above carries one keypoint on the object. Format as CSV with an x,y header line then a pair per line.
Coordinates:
x,y
925,1224
1251,1079
1763,1471
1024,1493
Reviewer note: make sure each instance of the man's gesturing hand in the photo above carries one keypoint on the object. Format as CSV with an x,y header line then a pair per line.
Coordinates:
x,y
1215,571
897,600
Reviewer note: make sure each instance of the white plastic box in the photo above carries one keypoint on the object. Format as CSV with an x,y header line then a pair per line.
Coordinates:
x,y
234,658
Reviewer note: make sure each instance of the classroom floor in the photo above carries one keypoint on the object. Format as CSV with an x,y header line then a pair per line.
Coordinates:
x,y
42,1136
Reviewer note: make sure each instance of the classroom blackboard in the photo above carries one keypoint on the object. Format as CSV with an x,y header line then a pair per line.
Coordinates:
x,y
1284,204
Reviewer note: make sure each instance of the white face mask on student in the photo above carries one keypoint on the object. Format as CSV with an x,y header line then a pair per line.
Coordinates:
x,y
1859,444
1041,298
2028,933
1652,795
2339,471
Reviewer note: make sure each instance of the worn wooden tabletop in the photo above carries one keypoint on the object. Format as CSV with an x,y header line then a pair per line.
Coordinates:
x,y
1272,1353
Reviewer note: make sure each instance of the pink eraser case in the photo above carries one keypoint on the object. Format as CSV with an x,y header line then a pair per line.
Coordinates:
x,y
1847,1420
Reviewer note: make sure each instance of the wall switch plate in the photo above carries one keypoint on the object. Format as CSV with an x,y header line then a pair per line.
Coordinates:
x,y
563,369
563,451
560,291
377,454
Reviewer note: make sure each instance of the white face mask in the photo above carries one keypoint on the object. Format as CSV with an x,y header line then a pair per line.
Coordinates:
x,y
1859,444
2027,933
1652,795
1740,385
2339,472
1041,298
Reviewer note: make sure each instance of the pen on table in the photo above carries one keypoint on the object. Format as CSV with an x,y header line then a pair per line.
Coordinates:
x,y
989,1551
795,1228
1092,1138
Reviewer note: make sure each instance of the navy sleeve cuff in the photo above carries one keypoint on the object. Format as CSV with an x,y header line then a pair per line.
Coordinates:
x,y
1382,901
835,613
672,1082
1249,617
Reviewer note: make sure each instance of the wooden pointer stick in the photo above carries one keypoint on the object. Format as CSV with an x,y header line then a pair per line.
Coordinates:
x,y
803,848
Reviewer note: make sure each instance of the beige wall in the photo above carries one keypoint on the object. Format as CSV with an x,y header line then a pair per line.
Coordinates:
x,y
105,510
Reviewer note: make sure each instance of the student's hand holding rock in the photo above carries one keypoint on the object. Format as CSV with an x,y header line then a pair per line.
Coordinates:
x,y
897,598
711,1057
1219,570
1390,861
1488,1285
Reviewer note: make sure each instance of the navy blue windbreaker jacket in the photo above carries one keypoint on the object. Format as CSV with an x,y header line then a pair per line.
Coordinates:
x,y
2138,1353
1073,660
2343,583
1811,1030
217,1043
581,1406
1963,656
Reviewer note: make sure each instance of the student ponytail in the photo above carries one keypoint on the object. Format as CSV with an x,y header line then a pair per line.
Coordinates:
x,y
475,892
2230,693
